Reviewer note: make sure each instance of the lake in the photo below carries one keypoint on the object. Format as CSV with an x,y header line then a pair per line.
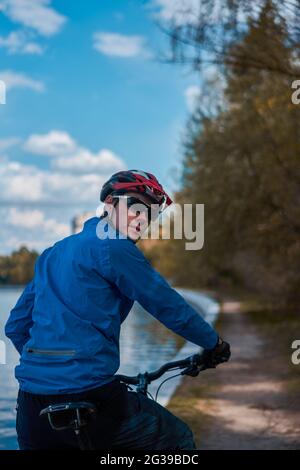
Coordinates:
x,y
145,344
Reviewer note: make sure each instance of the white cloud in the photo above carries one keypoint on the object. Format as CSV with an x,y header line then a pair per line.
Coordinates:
x,y
192,94
26,184
13,242
35,14
70,157
32,48
36,229
25,219
86,162
53,144
19,182
19,80
36,219
9,142
37,205
179,11
18,42
120,45
76,174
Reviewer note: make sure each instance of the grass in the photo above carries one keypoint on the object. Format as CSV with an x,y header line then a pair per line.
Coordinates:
x,y
193,401
280,329
185,405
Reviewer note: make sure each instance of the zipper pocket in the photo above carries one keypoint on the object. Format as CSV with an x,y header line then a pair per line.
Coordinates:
x,y
49,352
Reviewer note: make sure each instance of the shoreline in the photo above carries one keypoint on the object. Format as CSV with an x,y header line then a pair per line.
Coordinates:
x,y
12,286
253,401
209,308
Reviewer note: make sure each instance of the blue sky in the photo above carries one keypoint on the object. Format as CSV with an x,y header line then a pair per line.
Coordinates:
x,y
86,96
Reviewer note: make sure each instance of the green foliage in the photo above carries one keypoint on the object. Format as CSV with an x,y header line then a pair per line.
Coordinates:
x,y
17,268
242,162
221,25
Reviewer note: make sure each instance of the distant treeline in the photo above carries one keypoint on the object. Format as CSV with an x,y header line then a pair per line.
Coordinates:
x,y
18,267
241,157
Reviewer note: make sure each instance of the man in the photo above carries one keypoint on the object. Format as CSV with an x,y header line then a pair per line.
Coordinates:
x,y
66,326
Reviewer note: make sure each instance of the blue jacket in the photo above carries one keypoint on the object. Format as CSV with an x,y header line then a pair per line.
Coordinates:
x,y
66,324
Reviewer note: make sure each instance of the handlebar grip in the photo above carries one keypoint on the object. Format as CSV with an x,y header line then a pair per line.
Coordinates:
x,y
127,379
191,361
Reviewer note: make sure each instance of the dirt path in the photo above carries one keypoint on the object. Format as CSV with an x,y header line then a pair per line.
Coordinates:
x,y
250,403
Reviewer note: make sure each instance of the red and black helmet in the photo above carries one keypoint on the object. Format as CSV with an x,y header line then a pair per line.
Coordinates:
x,y
136,181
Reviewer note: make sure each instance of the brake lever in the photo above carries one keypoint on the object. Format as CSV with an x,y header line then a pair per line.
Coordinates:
x,y
193,370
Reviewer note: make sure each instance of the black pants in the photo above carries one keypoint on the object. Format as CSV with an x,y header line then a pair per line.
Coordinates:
x,y
125,420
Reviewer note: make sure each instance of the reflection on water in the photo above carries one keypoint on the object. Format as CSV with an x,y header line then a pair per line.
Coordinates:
x,y
145,345
8,383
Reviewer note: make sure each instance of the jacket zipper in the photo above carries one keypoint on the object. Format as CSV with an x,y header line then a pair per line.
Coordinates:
x,y
49,352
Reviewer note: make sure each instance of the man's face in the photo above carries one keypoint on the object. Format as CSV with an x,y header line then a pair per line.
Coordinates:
x,y
131,221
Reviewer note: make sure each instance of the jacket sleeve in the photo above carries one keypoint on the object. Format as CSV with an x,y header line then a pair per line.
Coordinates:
x,y
20,320
132,273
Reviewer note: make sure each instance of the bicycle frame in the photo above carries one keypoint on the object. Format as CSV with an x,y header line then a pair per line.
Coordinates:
x,y
192,365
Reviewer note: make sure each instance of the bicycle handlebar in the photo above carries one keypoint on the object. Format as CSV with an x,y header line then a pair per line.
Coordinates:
x,y
194,361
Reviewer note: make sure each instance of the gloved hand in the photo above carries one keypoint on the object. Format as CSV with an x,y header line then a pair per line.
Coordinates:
x,y
220,353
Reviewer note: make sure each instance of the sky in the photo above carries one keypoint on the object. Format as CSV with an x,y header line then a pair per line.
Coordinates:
x,y
86,95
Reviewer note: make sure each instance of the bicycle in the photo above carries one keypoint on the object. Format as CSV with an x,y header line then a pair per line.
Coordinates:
x,y
76,415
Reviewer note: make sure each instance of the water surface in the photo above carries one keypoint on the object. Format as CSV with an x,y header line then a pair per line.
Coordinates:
x,y
145,344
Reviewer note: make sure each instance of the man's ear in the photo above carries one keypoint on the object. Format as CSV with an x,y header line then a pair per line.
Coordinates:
x,y
108,206
109,199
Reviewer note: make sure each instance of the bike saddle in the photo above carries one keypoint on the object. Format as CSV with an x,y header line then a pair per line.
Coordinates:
x,y
71,415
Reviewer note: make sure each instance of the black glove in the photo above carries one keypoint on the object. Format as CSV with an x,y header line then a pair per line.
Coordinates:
x,y
220,353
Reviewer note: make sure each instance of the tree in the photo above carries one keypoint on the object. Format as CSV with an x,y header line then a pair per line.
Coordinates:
x,y
208,35
242,162
18,268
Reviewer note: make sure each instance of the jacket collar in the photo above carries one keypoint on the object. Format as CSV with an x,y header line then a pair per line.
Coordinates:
x,y
107,226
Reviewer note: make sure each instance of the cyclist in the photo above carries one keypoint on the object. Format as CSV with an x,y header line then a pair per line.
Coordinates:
x,y
66,326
